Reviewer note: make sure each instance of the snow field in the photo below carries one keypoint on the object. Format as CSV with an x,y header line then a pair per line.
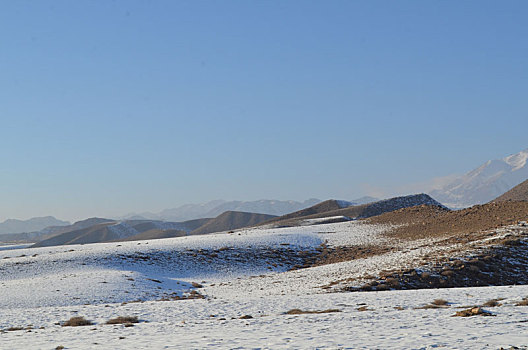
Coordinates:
x,y
194,324
44,286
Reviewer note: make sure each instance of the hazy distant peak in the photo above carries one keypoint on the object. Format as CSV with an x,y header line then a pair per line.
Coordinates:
x,y
216,207
30,225
484,183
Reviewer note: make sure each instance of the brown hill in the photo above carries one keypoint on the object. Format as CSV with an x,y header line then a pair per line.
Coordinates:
x,y
518,193
93,234
186,226
192,225
231,220
129,230
323,207
357,211
56,230
432,221
48,232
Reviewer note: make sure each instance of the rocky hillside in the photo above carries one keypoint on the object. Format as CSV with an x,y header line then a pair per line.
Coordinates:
x,y
428,221
518,193
323,207
355,211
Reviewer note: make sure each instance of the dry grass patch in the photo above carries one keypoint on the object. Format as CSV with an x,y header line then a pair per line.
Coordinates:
x,y
474,311
523,302
363,308
493,302
77,321
123,320
301,312
12,329
435,304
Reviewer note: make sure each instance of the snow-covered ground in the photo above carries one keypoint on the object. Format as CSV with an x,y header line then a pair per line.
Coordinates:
x,y
242,273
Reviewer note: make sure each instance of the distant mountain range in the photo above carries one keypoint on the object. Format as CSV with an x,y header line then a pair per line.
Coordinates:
x,y
49,225
484,183
214,208
104,230
31,225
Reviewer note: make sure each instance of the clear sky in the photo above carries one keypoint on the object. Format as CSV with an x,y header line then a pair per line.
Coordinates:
x,y
108,107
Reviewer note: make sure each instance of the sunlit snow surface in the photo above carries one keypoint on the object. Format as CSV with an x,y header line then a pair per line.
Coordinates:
x,y
43,286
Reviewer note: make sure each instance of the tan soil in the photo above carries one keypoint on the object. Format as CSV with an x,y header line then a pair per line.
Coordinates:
x,y
346,253
429,221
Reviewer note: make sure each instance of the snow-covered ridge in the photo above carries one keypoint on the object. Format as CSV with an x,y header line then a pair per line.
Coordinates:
x,y
517,161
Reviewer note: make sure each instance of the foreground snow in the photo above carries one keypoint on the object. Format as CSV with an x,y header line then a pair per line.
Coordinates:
x,y
242,273
194,324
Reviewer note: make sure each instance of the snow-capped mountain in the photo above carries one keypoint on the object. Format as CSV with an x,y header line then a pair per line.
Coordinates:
x,y
485,183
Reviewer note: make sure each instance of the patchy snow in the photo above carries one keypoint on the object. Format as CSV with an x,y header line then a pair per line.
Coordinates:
x,y
343,204
123,230
326,220
242,273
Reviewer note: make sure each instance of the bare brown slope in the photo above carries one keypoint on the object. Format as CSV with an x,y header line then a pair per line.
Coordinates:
x,y
231,220
361,211
125,231
57,230
432,221
192,225
92,234
323,207
518,193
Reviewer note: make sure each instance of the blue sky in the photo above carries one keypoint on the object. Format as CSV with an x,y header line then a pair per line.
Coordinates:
x,y
108,107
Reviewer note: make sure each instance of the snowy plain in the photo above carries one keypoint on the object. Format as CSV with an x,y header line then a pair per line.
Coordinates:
x,y
241,274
